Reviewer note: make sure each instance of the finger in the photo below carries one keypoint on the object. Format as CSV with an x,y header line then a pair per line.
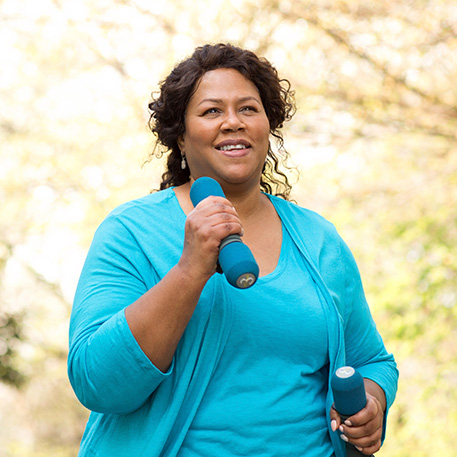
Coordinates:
x,y
216,211
212,203
371,429
364,429
335,419
362,438
364,441
203,220
210,232
370,450
225,228
366,445
366,422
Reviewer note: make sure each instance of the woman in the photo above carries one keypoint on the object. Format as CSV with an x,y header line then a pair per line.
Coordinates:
x,y
174,361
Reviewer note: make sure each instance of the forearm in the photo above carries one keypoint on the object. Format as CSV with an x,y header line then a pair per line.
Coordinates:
x,y
376,391
116,365
158,319
108,370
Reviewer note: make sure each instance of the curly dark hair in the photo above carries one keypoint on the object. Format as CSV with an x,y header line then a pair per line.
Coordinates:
x,y
168,109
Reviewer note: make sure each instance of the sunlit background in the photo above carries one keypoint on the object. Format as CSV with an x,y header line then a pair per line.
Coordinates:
x,y
374,140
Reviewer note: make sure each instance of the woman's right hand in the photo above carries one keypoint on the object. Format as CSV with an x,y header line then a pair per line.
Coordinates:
x,y
212,220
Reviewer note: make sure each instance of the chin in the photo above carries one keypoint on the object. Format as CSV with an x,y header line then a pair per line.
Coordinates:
x,y
240,180
231,175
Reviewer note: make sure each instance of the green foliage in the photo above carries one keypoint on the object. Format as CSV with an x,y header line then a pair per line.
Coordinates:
x,y
10,336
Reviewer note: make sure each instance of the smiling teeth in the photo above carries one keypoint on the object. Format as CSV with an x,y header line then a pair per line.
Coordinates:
x,y
232,147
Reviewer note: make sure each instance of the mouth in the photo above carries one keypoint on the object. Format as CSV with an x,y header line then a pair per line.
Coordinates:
x,y
233,148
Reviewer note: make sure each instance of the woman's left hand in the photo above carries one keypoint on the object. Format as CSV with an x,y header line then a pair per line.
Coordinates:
x,y
364,429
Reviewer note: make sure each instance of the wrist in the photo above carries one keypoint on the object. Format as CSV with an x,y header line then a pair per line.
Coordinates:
x,y
191,277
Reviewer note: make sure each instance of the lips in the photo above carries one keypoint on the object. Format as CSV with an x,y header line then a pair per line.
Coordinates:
x,y
233,147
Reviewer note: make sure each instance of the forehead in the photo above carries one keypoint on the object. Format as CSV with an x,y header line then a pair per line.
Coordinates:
x,y
224,83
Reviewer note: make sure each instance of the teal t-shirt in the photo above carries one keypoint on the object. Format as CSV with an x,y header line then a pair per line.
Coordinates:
x,y
267,395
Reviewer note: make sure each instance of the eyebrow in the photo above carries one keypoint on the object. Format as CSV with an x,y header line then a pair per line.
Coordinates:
x,y
219,101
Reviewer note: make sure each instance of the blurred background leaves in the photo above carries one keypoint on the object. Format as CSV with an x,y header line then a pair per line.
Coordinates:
x,y
374,139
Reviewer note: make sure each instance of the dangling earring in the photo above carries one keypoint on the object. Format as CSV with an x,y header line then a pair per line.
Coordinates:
x,y
183,162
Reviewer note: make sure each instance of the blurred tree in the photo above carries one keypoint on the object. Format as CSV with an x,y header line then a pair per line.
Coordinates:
x,y
10,335
374,137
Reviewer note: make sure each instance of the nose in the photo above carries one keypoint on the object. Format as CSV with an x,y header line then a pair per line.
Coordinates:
x,y
232,121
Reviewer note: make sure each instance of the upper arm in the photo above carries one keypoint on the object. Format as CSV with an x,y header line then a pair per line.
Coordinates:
x,y
107,368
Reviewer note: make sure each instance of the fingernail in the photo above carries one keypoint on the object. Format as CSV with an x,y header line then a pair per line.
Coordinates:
x,y
344,438
348,423
358,448
341,429
333,424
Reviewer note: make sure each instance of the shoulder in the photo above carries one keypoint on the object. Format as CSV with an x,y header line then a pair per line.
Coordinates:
x,y
150,211
156,202
141,217
145,231
307,222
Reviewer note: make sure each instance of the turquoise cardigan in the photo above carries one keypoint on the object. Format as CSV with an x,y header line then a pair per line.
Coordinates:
x,y
138,410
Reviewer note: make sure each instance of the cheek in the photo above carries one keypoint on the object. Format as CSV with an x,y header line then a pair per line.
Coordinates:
x,y
196,133
264,127
264,132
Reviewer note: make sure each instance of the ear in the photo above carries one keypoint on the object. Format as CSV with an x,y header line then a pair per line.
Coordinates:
x,y
181,142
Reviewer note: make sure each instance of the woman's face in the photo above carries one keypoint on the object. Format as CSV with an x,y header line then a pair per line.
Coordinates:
x,y
226,129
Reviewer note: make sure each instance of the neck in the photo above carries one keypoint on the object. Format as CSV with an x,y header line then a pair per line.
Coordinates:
x,y
248,202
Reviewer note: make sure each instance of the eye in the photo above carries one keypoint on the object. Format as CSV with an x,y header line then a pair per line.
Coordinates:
x,y
249,109
211,111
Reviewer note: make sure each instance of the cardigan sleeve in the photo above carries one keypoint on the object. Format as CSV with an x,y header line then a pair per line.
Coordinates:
x,y
365,349
107,368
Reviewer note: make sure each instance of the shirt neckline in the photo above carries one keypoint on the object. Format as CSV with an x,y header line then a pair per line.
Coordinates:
x,y
284,242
